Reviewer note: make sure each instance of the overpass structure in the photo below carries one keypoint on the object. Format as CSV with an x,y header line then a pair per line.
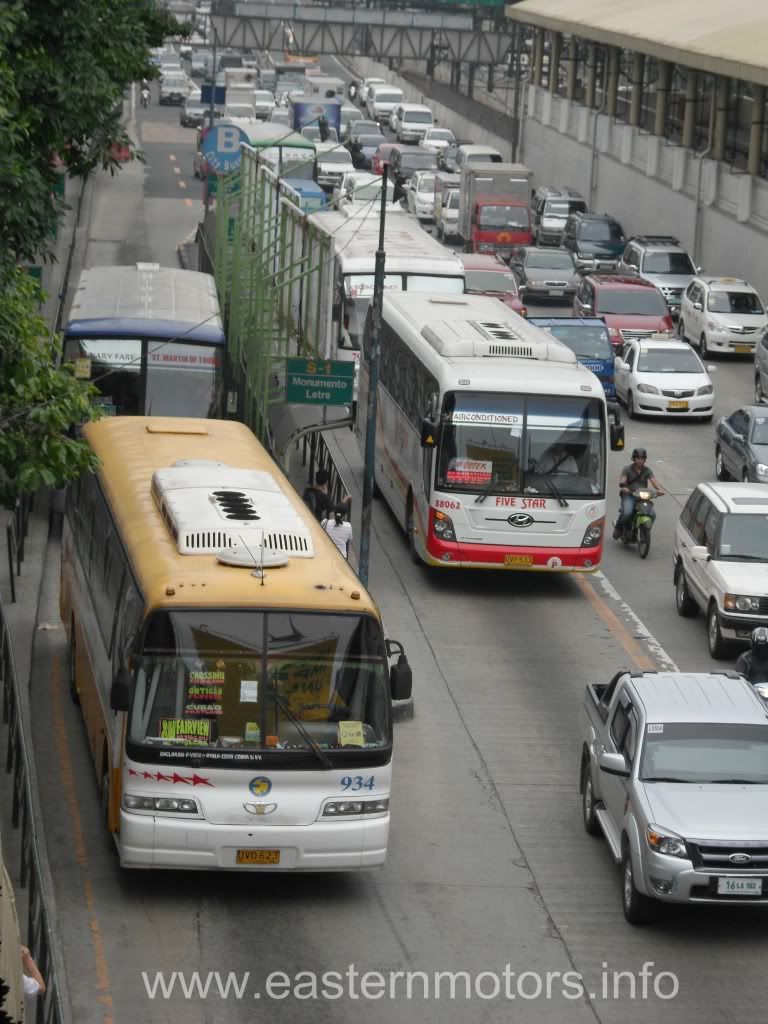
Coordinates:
x,y
382,35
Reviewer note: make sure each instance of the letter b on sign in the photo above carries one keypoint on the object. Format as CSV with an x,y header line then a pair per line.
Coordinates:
x,y
228,141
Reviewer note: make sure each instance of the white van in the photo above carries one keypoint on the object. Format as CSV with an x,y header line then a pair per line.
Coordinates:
x,y
476,155
382,100
412,121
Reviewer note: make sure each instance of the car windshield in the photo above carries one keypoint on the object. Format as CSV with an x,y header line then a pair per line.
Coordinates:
x,y
440,135
706,752
759,430
744,537
600,231
427,183
417,161
668,263
633,302
668,360
513,444
453,200
370,141
503,217
734,302
564,207
549,261
359,128
489,281
585,341
418,116
264,97
212,683
335,156
387,97
370,190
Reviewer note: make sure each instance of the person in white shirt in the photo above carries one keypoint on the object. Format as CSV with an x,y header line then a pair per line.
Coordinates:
x,y
34,985
338,529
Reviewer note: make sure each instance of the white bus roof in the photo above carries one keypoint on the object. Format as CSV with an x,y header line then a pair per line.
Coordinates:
x,y
480,342
408,246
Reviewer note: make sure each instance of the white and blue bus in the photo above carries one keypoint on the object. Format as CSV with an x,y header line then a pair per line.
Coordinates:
x,y
150,338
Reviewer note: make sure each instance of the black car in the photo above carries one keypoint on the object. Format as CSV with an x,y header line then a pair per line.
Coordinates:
x,y
741,445
595,240
446,158
358,128
362,150
404,161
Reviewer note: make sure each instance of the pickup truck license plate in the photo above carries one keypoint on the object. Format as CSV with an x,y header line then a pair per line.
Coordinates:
x,y
518,560
258,857
677,405
742,348
740,886
557,291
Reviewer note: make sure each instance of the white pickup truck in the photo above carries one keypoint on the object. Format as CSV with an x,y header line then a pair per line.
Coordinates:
x,y
674,774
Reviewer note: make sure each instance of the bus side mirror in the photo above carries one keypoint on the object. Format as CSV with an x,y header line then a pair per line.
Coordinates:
x,y
120,695
617,437
428,433
336,312
400,675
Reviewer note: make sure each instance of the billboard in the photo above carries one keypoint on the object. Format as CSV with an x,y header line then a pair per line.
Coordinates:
x,y
310,111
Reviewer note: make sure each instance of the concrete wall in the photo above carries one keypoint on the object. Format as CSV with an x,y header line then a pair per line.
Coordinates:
x,y
650,185
461,127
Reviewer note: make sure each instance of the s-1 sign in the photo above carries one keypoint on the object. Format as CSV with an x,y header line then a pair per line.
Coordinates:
x,y
221,147
319,381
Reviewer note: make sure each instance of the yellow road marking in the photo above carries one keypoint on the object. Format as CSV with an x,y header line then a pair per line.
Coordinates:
x,y
615,625
67,785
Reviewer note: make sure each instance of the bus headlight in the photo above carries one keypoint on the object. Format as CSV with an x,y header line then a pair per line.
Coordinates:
x,y
160,804
342,808
593,534
444,527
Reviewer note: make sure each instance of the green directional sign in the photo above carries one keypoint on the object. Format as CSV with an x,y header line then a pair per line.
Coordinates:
x,y
319,382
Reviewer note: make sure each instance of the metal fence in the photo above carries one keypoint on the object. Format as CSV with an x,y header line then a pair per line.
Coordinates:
x,y
15,537
315,449
39,934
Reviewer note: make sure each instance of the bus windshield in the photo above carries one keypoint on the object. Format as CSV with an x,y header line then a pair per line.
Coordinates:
x,y
516,444
285,682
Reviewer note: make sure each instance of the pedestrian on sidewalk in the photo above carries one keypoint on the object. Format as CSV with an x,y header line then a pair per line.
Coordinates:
x,y
338,529
317,497
34,983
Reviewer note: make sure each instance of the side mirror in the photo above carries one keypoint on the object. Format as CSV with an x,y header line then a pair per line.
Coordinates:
x,y
619,364
711,369
429,430
120,694
336,312
699,553
699,270
698,306
400,675
613,764
617,437
586,307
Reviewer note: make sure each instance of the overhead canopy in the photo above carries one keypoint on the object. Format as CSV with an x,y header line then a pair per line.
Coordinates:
x,y
722,37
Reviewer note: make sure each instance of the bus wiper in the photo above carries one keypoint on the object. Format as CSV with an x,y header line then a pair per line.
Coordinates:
x,y
322,757
484,494
553,488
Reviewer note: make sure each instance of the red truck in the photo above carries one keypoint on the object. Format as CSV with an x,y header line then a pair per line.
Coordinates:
x,y
494,208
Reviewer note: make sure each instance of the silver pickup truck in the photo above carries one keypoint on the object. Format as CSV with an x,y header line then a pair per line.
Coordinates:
x,y
674,774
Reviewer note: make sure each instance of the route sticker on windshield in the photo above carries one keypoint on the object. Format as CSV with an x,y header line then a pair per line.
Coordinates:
x,y
655,727
249,691
469,471
185,730
351,734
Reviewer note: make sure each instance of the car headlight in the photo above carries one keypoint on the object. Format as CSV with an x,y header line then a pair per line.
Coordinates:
x,y
584,256
715,327
347,808
162,804
444,529
593,534
648,389
761,469
669,843
707,389
741,603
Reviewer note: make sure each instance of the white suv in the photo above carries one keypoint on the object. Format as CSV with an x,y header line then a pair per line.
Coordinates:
x,y
721,314
721,558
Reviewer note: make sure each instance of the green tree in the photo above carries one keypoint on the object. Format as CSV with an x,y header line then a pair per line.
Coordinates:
x,y
64,67
38,402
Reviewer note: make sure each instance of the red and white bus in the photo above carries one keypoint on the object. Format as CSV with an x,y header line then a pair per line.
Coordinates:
x,y
491,440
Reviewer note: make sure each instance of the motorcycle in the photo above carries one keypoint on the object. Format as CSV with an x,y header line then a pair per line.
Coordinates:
x,y
638,529
145,98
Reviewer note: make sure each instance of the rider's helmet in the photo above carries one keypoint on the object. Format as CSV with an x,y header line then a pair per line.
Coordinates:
x,y
639,453
759,640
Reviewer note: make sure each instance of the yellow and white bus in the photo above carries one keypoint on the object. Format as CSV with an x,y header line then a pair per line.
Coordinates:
x,y
232,671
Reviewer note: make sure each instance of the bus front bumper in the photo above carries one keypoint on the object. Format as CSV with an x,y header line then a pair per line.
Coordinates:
x,y
495,556
155,841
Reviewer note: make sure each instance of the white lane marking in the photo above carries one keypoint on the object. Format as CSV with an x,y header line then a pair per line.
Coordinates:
x,y
640,630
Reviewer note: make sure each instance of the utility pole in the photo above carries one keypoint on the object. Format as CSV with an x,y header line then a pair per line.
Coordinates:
x,y
373,387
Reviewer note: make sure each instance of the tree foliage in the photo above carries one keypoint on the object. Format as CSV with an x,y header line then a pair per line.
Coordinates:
x,y
38,402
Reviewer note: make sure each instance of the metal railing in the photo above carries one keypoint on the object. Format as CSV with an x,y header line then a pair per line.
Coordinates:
x,y
39,934
315,447
16,532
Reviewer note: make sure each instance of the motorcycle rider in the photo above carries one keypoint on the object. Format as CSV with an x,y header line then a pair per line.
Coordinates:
x,y
753,664
634,477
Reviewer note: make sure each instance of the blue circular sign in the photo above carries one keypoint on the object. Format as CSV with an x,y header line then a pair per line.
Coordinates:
x,y
221,147
260,786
